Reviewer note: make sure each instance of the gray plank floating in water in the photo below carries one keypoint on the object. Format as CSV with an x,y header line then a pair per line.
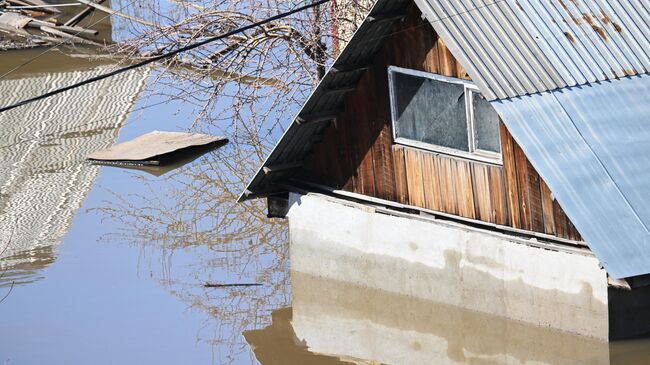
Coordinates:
x,y
153,145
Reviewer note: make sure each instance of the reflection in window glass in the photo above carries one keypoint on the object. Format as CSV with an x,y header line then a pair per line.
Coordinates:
x,y
446,113
430,111
486,125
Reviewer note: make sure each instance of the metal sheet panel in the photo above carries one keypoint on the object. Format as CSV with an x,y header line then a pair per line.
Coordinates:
x,y
590,145
519,47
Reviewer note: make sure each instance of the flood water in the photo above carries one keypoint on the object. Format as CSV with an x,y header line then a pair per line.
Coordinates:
x,y
102,265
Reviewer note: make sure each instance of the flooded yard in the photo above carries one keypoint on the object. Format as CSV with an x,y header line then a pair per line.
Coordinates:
x,y
104,265
107,265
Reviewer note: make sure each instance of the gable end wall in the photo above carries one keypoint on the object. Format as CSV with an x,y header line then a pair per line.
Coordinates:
x,y
357,153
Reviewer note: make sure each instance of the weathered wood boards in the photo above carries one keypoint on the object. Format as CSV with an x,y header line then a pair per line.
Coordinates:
x,y
357,153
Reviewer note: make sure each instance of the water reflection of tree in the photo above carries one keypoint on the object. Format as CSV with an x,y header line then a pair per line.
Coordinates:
x,y
4,246
244,87
195,214
254,80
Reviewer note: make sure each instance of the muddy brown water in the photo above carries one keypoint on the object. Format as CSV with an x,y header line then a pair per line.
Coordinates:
x,y
109,266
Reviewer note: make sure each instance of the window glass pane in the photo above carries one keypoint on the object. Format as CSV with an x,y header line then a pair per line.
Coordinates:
x,y
486,125
430,111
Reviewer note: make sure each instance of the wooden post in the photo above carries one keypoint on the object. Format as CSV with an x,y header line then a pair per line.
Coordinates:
x,y
82,15
115,12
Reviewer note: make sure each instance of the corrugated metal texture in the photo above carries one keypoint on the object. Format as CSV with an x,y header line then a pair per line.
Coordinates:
x,y
590,144
327,98
518,47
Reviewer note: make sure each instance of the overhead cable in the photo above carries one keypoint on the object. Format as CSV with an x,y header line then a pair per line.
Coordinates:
x,y
162,56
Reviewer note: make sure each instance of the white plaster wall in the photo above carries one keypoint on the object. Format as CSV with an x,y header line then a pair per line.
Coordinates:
x,y
446,263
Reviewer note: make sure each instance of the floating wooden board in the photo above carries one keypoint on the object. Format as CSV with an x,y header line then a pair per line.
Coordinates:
x,y
156,148
158,168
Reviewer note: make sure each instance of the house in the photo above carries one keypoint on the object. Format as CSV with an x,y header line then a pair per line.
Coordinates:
x,y
488,155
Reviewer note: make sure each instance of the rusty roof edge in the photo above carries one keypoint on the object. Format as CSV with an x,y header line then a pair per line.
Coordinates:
x,y
608,50
248,193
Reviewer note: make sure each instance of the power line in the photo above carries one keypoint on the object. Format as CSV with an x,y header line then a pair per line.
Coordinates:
x,y
60,43
81,127
193,46
162,56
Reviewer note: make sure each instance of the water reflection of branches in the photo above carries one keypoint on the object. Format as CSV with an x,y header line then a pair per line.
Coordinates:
x,y
4,272
256,80
196,215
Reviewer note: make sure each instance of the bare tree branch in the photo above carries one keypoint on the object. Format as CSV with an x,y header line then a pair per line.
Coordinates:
x,y
9,292
11,236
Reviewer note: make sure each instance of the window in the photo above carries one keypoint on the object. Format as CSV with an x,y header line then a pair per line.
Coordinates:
x,y
443,114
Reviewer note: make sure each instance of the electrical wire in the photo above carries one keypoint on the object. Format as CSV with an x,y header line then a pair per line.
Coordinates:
x,y
188,93
163,56
190,47
82,127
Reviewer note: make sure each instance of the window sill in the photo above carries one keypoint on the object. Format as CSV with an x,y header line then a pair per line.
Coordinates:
x,y
492,160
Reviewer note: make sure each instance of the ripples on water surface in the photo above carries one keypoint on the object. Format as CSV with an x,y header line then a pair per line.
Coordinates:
x,y
108,266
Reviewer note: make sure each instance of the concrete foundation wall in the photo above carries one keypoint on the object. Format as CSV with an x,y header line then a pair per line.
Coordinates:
x,y
448,263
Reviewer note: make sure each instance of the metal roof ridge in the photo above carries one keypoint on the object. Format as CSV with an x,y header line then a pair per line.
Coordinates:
x,y
569,87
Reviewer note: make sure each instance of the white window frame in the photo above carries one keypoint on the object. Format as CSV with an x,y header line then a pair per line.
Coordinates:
x,y
470,91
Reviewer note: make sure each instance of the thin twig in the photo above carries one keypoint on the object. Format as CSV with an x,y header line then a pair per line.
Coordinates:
x,y
11,236
211,285
9,292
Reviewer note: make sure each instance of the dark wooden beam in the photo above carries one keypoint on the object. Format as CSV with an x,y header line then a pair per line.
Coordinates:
x,y
348,68
341,90
277,205
316,118
271,169
385,17
270,190
84,13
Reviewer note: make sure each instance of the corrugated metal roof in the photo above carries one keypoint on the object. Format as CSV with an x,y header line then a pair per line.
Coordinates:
x,y
591,145
327,99
518,47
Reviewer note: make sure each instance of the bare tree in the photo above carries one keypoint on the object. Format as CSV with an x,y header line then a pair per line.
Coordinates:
x,y
256,79
196,213
245,87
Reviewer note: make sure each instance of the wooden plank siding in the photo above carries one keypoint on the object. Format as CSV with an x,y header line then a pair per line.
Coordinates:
x,y
358,154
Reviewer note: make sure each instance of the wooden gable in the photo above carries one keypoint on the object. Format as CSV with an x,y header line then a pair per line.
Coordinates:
x,y
357,152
